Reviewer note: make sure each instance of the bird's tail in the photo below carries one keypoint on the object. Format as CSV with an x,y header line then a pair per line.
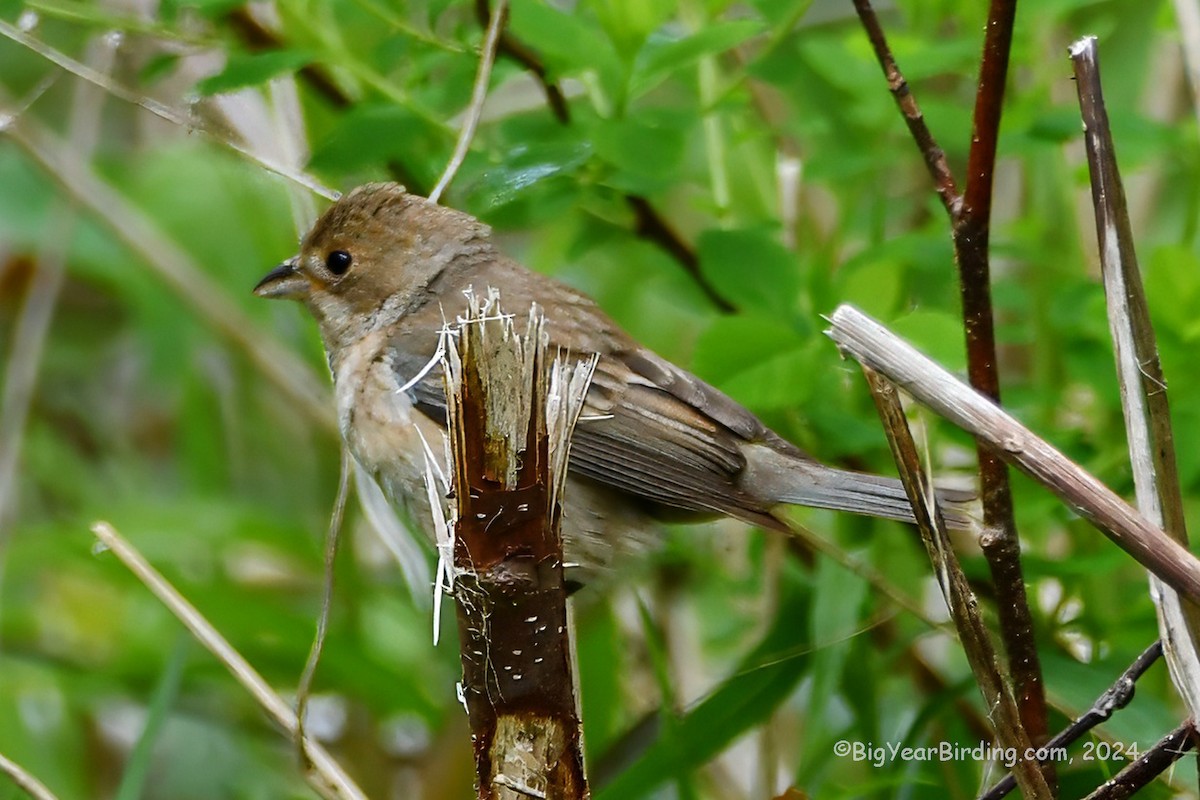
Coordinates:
x,y
874,495
803,482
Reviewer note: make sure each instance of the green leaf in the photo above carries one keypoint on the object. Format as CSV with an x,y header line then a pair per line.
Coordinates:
x,y
373,134
752,269
569,45
764,680
525,167
252,69
937,334
663,54
646,153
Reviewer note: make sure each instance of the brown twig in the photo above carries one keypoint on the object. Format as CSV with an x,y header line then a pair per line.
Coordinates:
x,y
1114,698
513,48
970,216
258,38
1152,763
1143,387
871,344
935,156
648,224
964,610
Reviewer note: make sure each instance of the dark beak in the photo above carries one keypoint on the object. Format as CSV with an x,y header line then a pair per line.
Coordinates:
x,y
284,281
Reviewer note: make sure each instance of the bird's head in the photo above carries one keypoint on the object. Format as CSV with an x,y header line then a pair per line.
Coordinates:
x,y
372,257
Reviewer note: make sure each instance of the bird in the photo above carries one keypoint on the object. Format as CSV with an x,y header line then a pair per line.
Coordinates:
x,y
378,272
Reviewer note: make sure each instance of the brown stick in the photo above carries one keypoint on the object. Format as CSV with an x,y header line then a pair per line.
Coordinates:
x,y
935,157
871,344
972,230
1153,763
964,610
970,216
512,618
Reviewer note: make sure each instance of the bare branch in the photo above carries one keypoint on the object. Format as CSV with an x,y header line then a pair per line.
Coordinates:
x,y
935,157
871,344
326,776
1114,698
487,57
1153,763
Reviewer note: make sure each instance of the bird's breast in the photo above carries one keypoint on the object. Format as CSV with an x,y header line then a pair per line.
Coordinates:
x,y
378,421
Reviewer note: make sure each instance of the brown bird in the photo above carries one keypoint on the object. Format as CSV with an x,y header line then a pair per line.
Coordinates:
x,y
382,269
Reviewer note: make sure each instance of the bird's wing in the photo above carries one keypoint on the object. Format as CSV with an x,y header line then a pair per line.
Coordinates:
x,y
648,428
639,436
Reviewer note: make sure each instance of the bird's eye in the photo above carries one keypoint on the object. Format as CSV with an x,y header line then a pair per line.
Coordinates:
x,y
338,261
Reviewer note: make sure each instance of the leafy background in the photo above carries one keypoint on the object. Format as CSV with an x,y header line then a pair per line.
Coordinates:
x,y
718,666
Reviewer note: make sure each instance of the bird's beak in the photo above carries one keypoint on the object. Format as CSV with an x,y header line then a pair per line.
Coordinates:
x,y
284,281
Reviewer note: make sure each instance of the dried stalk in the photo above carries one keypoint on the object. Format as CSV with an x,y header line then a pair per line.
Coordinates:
x,y
964,609
487,57
510,421
326,776
871,344
1143,388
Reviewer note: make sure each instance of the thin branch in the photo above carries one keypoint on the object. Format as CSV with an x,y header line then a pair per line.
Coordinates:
x,y
259,38
519,52
332,539
935,157
871,344
177,269
326,776
487,57
1114,698
970,218
24,780
1152,763
650,226
162,110
972,230
964,609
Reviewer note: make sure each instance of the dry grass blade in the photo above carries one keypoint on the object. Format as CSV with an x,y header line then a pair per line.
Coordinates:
x,y
1143,388
327,777
964,609
24,781
176,268
332,538
871,344
159,109
487,58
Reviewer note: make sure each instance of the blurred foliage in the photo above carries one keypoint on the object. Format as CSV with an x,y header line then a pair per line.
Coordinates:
x,y
719,666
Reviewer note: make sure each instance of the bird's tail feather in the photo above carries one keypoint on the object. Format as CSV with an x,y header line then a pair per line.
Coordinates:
x,y
873,495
